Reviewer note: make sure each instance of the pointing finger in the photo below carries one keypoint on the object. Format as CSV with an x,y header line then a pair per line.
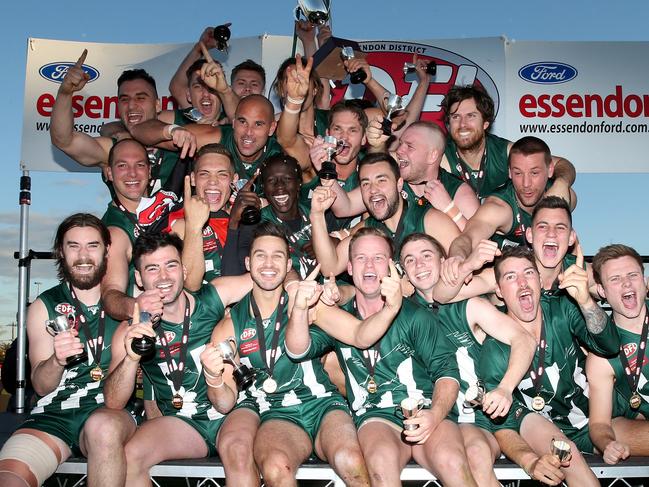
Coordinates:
x,y
313,274
82,58
188,190
580,257
206,53
251,181
393,270
136,312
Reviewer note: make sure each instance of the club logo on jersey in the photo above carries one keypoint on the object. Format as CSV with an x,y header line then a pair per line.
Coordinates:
x,y
547,73
207,231
155,207
248,334
249,347
56,71
629,349
64,308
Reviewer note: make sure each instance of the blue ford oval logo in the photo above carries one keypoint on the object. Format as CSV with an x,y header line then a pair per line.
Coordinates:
x,y
57,71
547,73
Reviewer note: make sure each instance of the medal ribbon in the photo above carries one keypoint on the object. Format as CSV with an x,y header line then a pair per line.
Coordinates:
x,y
176,371
633,376
155,159
465,171
215,236
293,240
128,215
97,350
279,315
537,375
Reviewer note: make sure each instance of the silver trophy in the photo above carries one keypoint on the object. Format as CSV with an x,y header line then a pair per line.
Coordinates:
x,y
61,324
328,169
193,114
394,107
410,406
474,395
315,11
251,215
243,376
431,68
560,449
357,76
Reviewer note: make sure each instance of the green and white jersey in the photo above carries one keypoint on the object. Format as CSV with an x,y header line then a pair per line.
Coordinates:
x,y
77,389
451,184
495,170
622,392
208,310
411,356
563,383
411,221
247,169
297,383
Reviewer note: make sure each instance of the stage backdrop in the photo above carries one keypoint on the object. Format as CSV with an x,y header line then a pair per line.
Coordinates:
x,y
594,112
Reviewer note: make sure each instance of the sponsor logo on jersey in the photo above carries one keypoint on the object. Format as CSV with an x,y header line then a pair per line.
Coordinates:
x,y
630,349
64,308
547,73
56,71
249,347
248,334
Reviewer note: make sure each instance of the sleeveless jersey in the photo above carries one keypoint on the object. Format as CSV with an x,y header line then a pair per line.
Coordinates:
x,y
496,168
114,217
411,356
76,389
411,221
208,310
215,234
242,168
296,382
451,184
563,387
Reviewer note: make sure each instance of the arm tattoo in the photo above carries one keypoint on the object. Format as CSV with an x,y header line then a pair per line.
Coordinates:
x,y
596,319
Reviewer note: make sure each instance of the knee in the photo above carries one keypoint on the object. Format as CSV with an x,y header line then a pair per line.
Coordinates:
x,y
105,430
349,463
276,466
452,460
235,450
136,458
478,454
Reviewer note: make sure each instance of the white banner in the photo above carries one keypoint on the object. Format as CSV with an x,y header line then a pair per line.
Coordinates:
x,y
588,100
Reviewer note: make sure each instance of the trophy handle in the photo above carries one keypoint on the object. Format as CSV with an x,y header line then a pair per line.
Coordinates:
x,y
296,12
233,344
49,329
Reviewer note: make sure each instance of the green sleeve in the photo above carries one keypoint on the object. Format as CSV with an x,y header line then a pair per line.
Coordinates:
x,y
321,343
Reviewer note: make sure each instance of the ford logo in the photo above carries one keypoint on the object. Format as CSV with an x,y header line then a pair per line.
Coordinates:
x,y
57,71
547,73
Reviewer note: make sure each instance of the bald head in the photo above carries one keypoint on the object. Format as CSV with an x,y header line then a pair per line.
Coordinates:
x,y
259,103
432,134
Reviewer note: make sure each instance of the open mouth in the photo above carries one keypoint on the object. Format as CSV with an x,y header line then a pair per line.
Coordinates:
x,y
526,301
85,268
281,199
370,276
133,118
378,202
268,273
550,249
403,163
213,196
164,287
629,300
422,275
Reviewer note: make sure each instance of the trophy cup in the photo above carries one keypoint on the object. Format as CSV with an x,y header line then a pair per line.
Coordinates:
x,y
62,324
315,11
358,76
222,36
394,106
243,376
193,114
474,395
251,215
431,68
560,449
328,169
410,406
145,345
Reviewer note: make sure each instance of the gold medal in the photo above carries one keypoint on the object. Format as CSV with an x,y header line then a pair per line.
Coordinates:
x,y
371,386
538,403
635,401
177,401
269,386
97,374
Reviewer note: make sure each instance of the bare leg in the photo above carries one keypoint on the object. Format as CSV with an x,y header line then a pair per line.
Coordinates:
x,y
385,454
443,454
280,448
337,443
235,442
160,439
102,441
481,451
633,432
538,433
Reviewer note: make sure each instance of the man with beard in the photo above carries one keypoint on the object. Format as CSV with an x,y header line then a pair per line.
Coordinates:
x,y
412,359
292,408
550,403
478,157
381,186
179,334
68,370
505,216
619,394
137,102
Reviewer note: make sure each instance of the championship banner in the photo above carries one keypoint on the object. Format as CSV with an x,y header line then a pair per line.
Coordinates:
x,y
588,100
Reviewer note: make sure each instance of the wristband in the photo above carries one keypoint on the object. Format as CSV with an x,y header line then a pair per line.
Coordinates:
x,y
215,386
292,110
448,208
210,376
168,131
295,101
457,217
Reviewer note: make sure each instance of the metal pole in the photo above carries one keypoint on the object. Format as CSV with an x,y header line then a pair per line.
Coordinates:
x,y
25,199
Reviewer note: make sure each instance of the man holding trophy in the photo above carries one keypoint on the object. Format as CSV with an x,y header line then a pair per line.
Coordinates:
x,y
70,350
169,349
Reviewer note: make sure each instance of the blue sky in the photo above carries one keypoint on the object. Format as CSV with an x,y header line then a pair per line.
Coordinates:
x,y
56,195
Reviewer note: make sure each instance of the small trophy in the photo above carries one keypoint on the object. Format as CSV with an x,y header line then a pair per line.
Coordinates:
x,y
193,114
410,406
243,376
394,106
560,449
474,395
431,68
315,11
62,324
328,169
145,345
222,36
251,215
358,76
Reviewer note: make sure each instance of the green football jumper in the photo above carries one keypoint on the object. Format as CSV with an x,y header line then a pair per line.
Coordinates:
x,y
451,184
411,221
114,217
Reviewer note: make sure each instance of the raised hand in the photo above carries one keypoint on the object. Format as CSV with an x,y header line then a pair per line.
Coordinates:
x,y
391,288
297,78
308,291
375,136
76,78
357,63
137,330
330,292
197,210
212,361
322,199
207,38
245,197
575,280
212,73
67,344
